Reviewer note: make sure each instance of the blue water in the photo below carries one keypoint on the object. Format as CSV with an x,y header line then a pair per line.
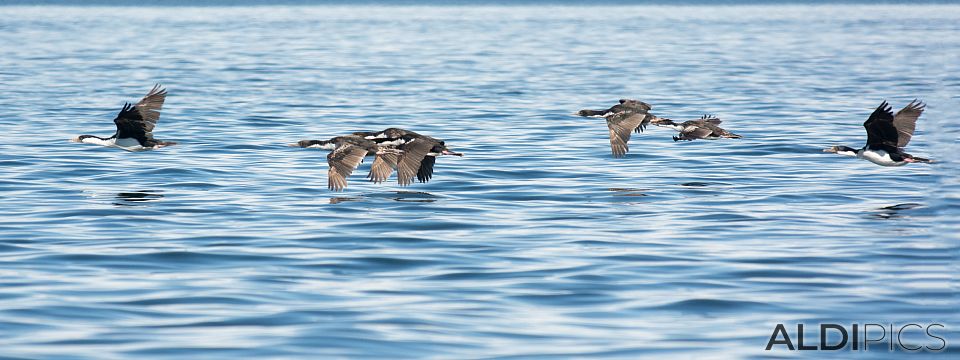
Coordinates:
x,y
535,244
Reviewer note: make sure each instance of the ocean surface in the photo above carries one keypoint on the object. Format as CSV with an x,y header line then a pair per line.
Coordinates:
x,y
536,244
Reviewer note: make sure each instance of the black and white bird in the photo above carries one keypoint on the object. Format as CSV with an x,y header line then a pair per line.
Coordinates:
x,y
416,158
622,120
347,153
135,124
887,135
706,127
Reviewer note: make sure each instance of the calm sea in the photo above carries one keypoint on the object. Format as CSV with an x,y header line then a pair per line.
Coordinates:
x,y
536,244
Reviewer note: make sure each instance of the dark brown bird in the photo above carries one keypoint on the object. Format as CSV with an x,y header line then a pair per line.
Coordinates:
x,y
347,153
418,153
622,120
706,127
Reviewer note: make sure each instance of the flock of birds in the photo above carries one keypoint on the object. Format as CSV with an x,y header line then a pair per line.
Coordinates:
x,y
414,155
410,153
633,116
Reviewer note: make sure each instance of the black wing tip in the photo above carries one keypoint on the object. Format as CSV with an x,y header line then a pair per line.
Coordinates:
x,y
917,104
884,106
128,110
884,109
157,90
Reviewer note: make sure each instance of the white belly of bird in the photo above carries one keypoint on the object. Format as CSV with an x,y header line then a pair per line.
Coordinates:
x,y
95,141
879,157
129,144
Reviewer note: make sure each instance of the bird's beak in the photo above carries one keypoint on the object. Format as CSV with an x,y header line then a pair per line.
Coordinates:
x,y
454,153
830,150
294,145
75,139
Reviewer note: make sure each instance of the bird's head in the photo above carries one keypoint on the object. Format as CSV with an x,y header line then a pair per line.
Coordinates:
x,y
442,149
584,113
88,139
841,150
663,122
309,143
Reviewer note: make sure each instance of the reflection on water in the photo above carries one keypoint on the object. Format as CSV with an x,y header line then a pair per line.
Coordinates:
x,y
136,197
401,196
627,192
895,211
340,199
415,196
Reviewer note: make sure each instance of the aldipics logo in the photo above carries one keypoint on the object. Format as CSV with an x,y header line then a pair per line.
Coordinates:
x,y
861,337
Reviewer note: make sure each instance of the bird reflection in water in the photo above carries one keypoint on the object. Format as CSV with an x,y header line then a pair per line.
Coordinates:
x,y
415,196
136,197
894,211
627,192
401,196
340,199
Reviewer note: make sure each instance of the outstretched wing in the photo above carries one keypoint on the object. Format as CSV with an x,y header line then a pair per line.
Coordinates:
x,y
342,162
130,124
621,125
149,107
138,121
879,126
906,121
425,173
413,154
383,165
694,132
711,119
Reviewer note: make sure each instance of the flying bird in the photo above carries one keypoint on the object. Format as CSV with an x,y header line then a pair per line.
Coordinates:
x,y
887,135
347,152
416,157
135,124
622,120
706,127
